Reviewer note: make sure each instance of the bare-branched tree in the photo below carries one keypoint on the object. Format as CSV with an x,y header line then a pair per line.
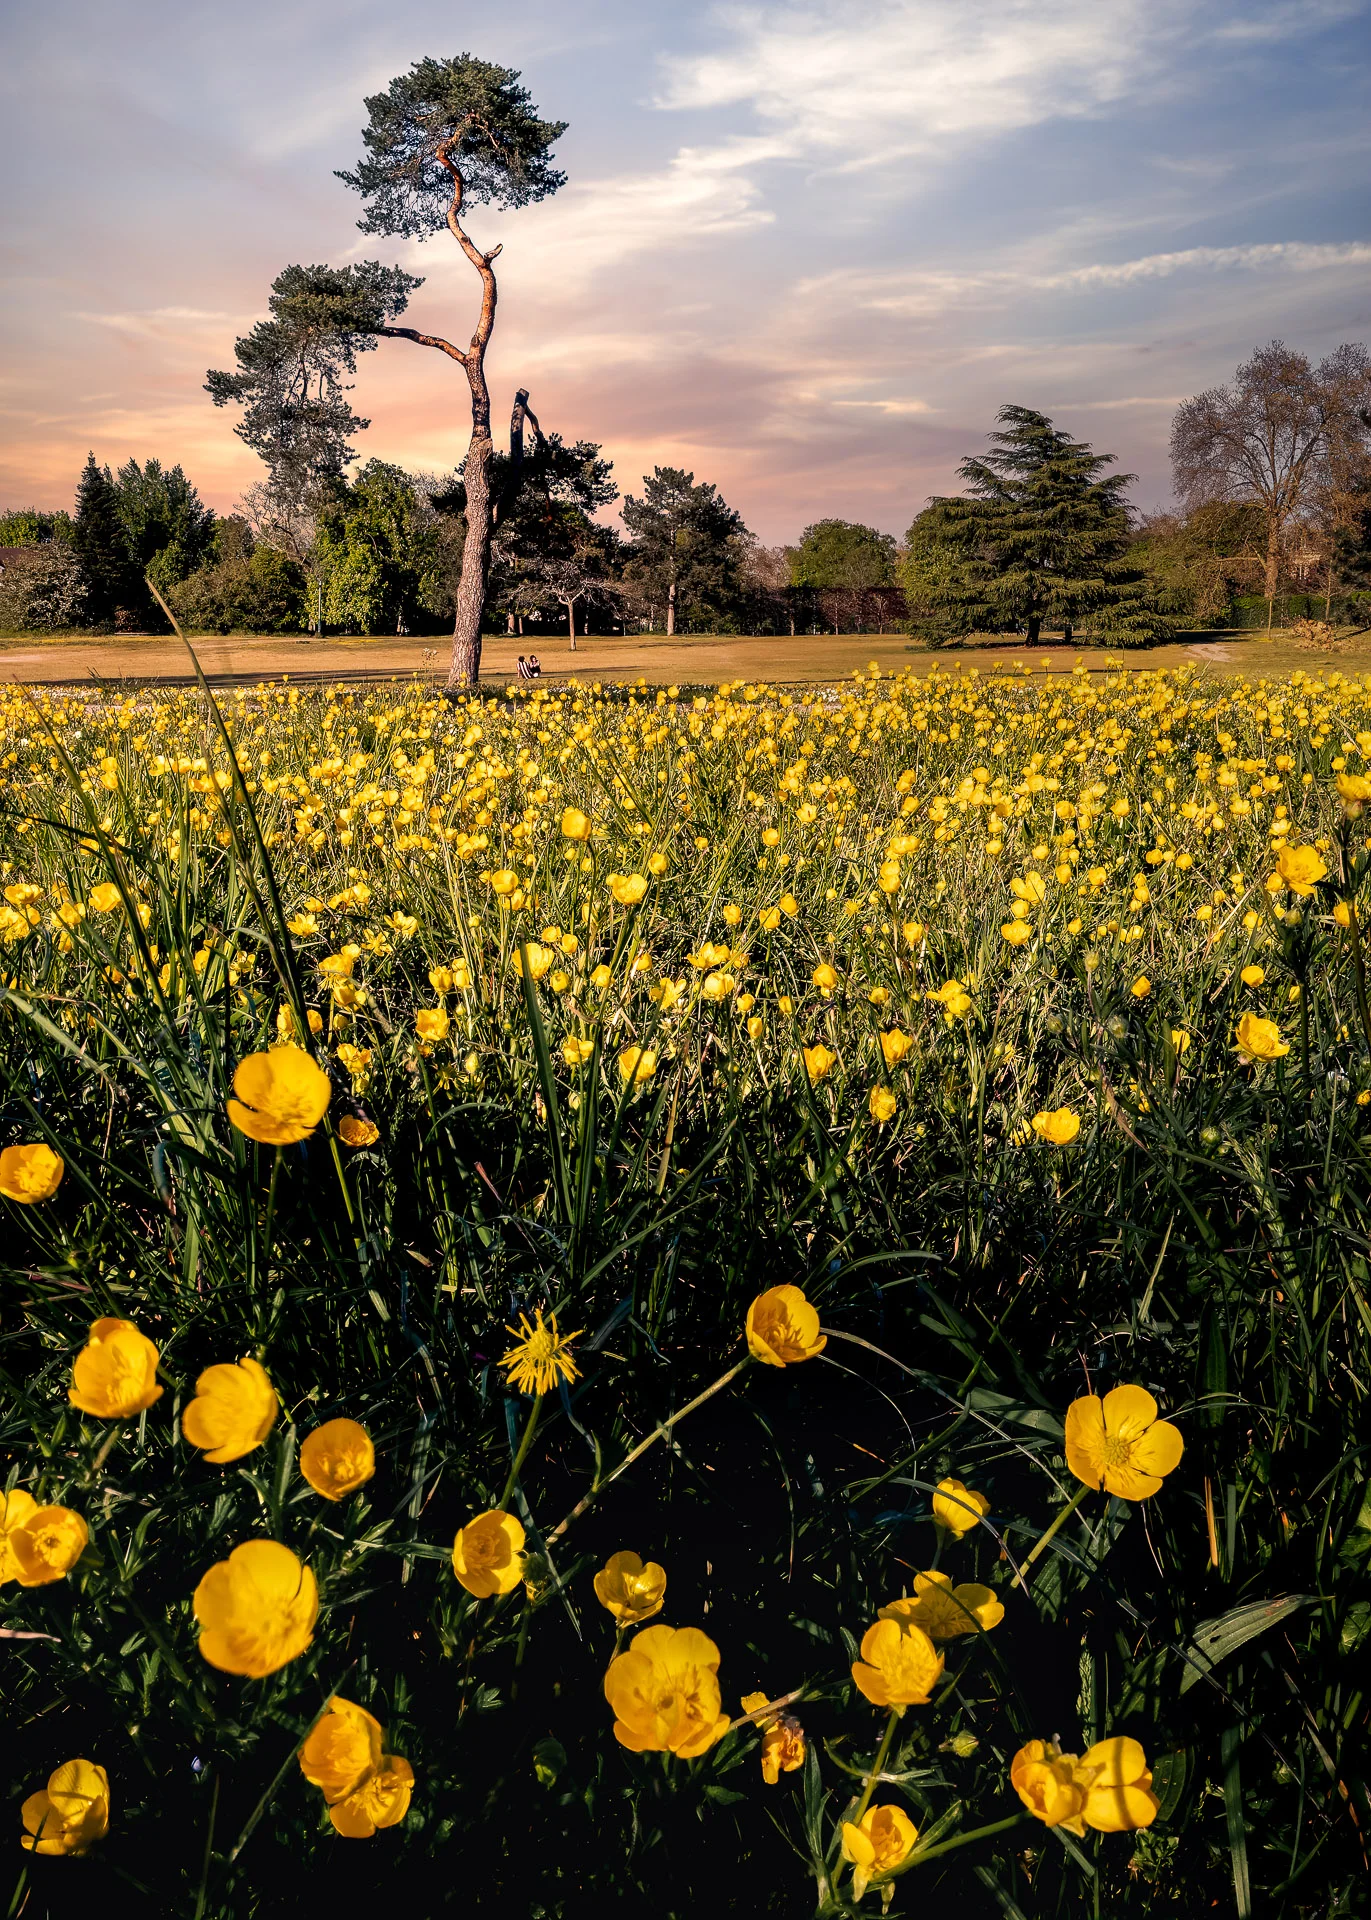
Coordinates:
x,y
1274,436
445,134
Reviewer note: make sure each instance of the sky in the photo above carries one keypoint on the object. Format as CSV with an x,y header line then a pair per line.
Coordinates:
x,y
803,251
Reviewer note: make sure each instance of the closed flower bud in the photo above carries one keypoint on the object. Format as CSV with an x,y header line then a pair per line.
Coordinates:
x,y
957,1508
337,1458
115,1373
233,1410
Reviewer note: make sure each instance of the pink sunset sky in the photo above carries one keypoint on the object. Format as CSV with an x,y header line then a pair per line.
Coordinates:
x,y
803,251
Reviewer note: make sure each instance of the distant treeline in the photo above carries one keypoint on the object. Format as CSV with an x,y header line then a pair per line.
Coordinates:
x,y
1273,474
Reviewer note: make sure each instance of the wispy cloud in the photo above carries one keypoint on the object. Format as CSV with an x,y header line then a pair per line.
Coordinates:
x,y
156,323
919,293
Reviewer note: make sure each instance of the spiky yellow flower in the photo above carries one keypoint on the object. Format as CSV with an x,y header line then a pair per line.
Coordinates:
x,y
540,1360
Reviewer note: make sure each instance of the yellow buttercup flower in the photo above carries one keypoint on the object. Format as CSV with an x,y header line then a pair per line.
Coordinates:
x,y
106,897
115,1373
825,977
337,1458
282,1096
637,1064
432,1023
881,1105
665,1693
354,1132
958,1508
954,1000
16,1508
1059,1127
1253,976
541,1360
71,1813
783,1739
894,1046
45,1543
1109,1787
1259,1039
627,888
381,1801
818,1060
629,1589
1354,790
877,1845
539,959
1301,868
576,1051
945,1611
233,1411
1141,987
899,1667
29,1174
342,1751
783,1328
488,1554
1119,1445
575,824
256,1609
1016,933
769,919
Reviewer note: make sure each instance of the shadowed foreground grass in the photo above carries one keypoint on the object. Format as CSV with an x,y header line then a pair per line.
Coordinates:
x,y
961,904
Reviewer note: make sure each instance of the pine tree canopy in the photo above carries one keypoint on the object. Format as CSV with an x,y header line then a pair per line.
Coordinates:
x,y
480,117
1039,539
290,381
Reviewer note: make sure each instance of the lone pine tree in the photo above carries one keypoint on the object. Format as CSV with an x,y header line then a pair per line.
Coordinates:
x,y
445,134
1040,539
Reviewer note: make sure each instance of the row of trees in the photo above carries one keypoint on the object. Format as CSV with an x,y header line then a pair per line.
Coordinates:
x,y
382,552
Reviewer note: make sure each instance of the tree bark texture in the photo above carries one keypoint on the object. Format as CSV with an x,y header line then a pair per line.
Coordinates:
x,y
671,608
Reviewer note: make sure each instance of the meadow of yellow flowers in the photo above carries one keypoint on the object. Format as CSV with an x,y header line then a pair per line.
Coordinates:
x,y
747,1299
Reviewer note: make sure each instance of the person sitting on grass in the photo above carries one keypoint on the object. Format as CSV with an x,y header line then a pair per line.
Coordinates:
x,y
534,666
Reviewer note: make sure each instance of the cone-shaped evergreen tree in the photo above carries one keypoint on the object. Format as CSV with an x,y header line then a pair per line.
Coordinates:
x,y
112,582
1040,540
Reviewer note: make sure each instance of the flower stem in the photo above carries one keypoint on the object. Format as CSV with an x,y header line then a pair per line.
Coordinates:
x,y
524,1446
882,1754
1019,1579
657,1434
965,1839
